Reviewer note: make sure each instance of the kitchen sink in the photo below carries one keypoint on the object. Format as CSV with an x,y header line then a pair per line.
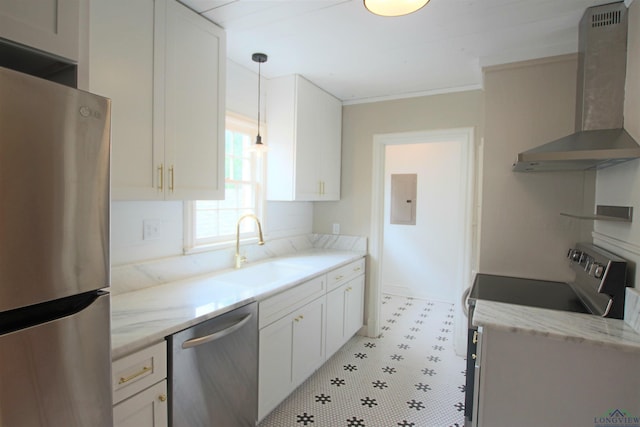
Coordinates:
x,y
268,272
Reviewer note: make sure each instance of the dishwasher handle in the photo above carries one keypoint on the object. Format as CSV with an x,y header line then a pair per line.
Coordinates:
x,y
194,342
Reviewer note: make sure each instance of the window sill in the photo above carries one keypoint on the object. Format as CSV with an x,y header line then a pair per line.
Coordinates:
x,y
210,247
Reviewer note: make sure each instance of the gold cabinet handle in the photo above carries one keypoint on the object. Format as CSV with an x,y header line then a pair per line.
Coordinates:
x,y
162,398
299,318
475,337
143,371
171,181
339,277
349,289
357,269
161,177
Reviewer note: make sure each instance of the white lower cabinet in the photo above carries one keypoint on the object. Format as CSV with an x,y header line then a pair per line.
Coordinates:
x,y
145,409
140,388
303,326
345,308
533,380
291,349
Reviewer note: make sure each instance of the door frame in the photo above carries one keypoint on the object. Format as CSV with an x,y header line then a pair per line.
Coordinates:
x,y
464,136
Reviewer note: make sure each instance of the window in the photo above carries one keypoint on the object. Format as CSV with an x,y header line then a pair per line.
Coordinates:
x,y
214,221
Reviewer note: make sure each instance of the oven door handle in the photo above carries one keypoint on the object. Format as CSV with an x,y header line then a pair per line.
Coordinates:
x,y
465,307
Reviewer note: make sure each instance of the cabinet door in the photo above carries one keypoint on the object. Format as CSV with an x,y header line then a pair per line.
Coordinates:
x,y
345,311
318,143
48,25
354,307
145,409
291,349
308,339
275,362
331,147
308,137
121,68
335,320
193,55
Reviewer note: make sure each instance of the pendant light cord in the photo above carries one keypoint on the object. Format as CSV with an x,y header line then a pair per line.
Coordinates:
x,y
259,73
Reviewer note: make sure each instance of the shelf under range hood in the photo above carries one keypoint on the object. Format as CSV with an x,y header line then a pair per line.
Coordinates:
x,y
586,150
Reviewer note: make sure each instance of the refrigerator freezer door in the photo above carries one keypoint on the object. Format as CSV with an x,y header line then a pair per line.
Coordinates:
x,y
54,190
58,373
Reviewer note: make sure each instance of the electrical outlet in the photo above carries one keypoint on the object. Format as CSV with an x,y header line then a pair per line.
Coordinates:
x,y
151,229
336,228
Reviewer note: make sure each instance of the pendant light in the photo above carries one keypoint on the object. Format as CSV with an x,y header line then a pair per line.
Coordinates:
x,y
259,147
394,7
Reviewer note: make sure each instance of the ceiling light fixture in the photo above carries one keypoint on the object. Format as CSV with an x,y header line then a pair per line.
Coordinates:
x,y
259,147
394,7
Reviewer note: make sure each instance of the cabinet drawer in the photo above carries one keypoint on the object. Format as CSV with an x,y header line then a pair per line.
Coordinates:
x,y
137,371
284,303
345,273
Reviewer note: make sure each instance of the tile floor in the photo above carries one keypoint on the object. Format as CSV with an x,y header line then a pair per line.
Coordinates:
x,y
410,376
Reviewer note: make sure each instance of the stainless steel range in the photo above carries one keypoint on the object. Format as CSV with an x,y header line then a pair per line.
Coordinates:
x,y
598,289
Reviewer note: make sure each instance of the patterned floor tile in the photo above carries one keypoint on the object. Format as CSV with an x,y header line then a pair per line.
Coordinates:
x,y
409,377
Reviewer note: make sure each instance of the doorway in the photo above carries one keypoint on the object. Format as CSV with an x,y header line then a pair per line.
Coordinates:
x,y
459,146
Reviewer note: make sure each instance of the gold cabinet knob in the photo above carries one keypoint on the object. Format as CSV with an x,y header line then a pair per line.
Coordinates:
x,y
162,398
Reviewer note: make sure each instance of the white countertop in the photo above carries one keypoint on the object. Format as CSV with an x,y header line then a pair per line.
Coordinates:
x,y
560,325
144,317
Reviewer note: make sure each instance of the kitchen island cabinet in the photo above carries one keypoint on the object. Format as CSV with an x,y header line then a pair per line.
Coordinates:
x,y
140,388
52,26
304,134
163,66
543,372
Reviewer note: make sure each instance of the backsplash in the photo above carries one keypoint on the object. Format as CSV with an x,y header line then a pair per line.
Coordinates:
x,y
132,277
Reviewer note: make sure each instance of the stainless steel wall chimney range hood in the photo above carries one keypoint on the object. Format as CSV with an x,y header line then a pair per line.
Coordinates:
x,y
600,139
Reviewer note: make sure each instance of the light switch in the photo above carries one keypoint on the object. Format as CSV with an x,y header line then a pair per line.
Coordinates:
x,y
151,229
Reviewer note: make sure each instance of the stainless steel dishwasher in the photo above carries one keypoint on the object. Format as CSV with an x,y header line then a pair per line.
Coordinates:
x,y
213,372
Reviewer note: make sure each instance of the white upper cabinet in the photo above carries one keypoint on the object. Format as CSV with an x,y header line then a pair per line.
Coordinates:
x,y
163,66
121,67
305,134
191,74
48,25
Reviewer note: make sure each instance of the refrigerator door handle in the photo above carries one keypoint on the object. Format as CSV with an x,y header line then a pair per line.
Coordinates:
x,y
194,342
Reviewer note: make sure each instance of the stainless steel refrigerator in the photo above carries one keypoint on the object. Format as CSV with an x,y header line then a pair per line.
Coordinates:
x,y
55,355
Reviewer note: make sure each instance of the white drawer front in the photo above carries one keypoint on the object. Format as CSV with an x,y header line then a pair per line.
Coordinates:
x,y
137,371
280,305
345,273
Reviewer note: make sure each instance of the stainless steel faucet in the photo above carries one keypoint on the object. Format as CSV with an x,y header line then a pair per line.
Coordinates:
x,y
240,259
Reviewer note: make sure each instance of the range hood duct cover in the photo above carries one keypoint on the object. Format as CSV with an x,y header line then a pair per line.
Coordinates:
x,y
600,139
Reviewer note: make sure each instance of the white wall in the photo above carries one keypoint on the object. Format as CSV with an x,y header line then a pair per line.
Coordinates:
x,y
418,260
620,185
281,218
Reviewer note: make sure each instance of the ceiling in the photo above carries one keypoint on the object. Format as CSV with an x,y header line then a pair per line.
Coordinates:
x,y
361,57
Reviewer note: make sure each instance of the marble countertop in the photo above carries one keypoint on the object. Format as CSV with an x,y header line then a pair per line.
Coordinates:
x,y
560,325
144,317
